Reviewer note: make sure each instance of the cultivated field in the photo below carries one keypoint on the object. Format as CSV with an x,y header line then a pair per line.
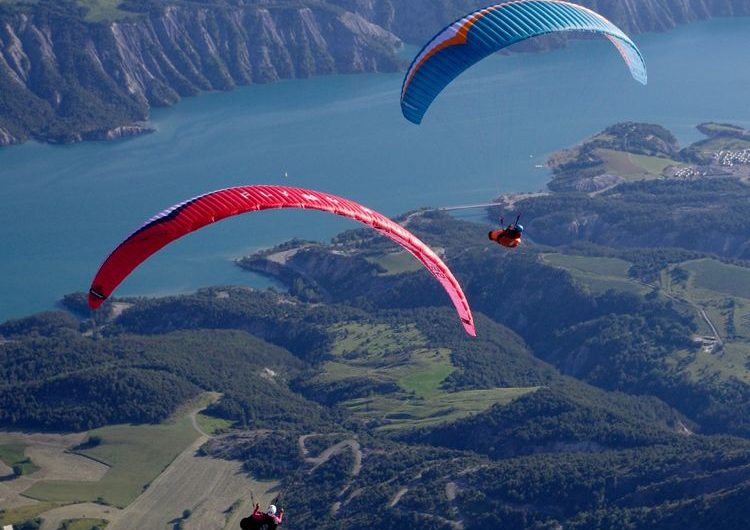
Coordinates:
x,y
135,454
48,453
712,275
597,274
634,167
718,293
153,473
205,486
12,455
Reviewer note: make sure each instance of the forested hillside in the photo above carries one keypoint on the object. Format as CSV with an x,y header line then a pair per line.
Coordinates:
x,y
479,431
608,386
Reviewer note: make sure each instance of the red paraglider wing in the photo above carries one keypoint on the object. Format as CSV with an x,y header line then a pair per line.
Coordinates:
x,y
198,212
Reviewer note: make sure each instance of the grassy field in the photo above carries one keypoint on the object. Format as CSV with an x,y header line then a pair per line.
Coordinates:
x,y
634,167
655,165
24,513
713,275
418,370
101,10
398,354
83,524
97,10
730,362
597,274
721,290
378,340
595,265
14,454
396,263
426,374
211,425
136,455
406,413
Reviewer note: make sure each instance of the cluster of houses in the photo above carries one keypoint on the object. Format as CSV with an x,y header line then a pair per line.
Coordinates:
x,y
731,158
728,160
686,172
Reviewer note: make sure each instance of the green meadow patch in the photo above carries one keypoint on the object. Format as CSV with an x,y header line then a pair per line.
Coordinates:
x,y
398,355
377,340
596,273
396,263
431,368
83,524
103,10
595,265
634,167
721,290
212,425
396,413
136,454
19,514
14,455
713,275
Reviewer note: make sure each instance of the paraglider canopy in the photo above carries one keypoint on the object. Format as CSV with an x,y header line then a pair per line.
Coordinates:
x,y
489,30
196,213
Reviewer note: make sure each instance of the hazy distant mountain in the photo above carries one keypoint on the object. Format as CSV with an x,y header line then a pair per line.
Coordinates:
x,y
69,73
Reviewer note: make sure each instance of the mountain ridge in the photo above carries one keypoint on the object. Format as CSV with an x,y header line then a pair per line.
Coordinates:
x,y
69,74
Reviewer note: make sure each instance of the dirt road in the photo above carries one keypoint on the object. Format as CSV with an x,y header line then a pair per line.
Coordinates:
x,y
335,449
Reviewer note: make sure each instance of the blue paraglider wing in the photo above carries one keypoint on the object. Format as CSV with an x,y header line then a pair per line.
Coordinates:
x,y
484,32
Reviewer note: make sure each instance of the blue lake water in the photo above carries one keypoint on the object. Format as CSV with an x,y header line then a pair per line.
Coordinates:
x,y
63,208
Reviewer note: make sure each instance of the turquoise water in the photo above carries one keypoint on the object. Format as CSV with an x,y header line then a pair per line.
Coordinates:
x,y
64,208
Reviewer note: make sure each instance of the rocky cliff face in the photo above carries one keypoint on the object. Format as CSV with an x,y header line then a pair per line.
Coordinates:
x,y
186,49
64,79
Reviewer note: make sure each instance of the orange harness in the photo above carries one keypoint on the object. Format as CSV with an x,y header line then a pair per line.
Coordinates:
x,y
508,237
